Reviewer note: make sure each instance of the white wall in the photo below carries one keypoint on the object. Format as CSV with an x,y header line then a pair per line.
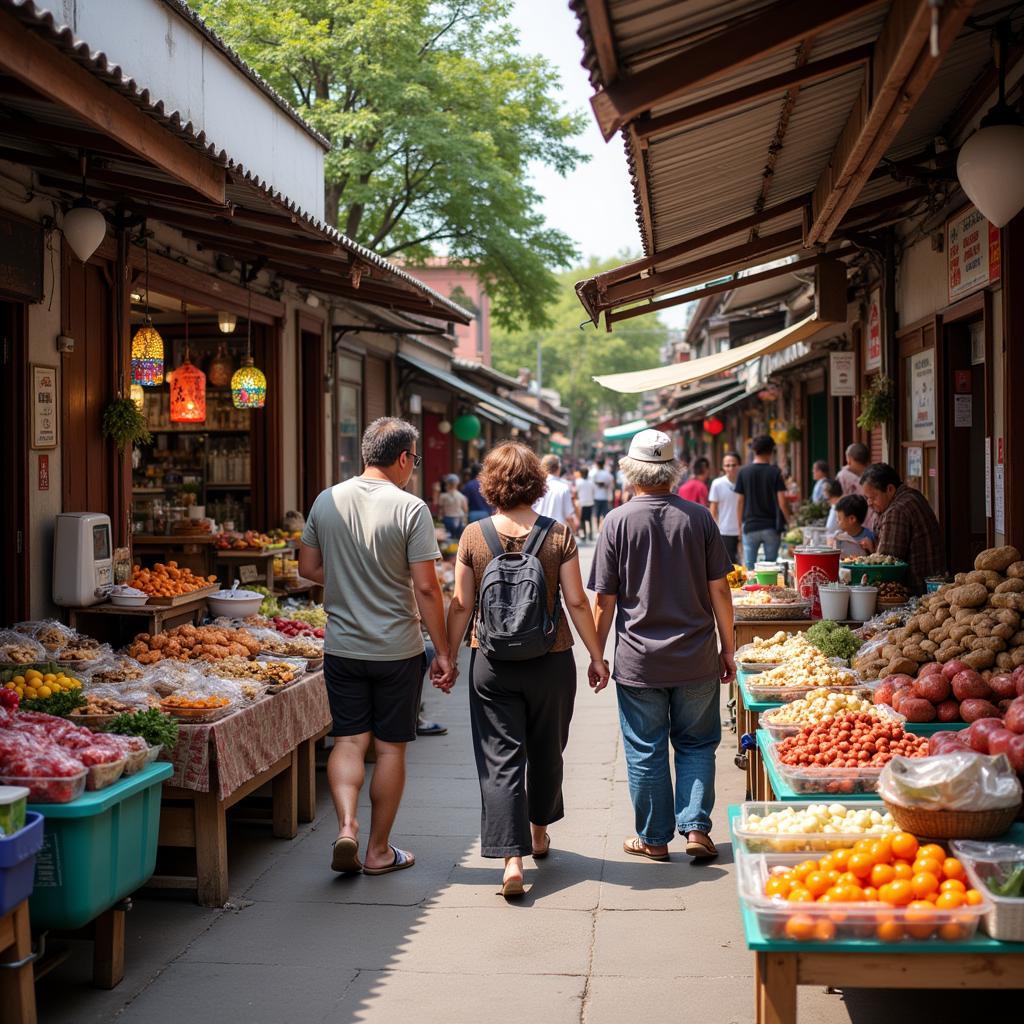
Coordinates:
x,y
921,288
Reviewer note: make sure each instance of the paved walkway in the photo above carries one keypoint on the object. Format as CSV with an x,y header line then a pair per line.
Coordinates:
x,y
602,938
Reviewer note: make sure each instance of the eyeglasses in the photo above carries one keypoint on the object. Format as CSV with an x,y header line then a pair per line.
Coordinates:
x,y
417,460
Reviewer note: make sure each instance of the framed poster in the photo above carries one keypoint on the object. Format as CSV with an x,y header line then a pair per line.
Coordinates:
x,y
921,382
43,401
873,335
973,256
915,462
841,374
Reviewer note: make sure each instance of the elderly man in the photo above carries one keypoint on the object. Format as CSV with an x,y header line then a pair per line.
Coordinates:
x,y
906,526
659,569
372,545
556,502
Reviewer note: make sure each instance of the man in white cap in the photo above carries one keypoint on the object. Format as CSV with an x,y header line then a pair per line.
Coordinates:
x,y
660,571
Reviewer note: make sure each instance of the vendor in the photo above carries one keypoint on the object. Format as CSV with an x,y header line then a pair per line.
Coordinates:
x,y
907,528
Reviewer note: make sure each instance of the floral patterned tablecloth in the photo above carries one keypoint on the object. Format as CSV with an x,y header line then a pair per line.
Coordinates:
x,y
239,746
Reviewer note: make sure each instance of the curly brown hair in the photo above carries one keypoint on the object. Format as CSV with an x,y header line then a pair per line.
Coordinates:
x,y
511,476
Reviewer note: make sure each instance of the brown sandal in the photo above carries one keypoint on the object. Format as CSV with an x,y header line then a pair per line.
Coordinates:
x,y
638,848
541,854
703,848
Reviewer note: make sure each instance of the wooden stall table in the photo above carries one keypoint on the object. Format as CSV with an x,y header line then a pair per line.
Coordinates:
x,y
117,625
17,978
748,711
190,550
262,561
218,764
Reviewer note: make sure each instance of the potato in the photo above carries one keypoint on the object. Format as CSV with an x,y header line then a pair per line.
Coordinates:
x,y
1016,570
901,666
914,623
988,643
1017,654
930,646
941,614
1004,662
970,595
998,559
1017,640
1007,615
963,614
916,709
914,638
944,654
1012,601
889,651
916,653
960,632
932,687
985,577
982,625
980,659
1002,630
948,711
972,710
1012,586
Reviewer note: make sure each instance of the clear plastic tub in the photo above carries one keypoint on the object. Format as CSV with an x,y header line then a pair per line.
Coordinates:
x,y
1005,919
102,775
154,752
798,842
822,923
50,791
782,730
784,694
12,809
826,781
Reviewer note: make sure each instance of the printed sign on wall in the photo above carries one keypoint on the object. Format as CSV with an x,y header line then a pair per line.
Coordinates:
x,y
873,335
842,374
972,253
922,395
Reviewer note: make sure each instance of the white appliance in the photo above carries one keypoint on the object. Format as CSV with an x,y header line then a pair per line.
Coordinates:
x,y
83,564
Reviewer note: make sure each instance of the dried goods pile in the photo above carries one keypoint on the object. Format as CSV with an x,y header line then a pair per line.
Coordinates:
x,y
819,705
170,580
849,741
188,643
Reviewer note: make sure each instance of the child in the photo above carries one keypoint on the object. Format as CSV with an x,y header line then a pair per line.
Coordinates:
x,y
855,537
833,492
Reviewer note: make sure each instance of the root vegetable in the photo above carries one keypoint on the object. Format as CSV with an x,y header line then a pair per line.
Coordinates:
x,y
917,709
968,684
1014,717
1003,686
932,687
948,711
971,710
979,731
952,667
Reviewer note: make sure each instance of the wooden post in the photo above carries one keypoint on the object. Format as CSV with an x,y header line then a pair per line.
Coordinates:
x,y
211,850
17,986
776,995
285,793
306,772
108,948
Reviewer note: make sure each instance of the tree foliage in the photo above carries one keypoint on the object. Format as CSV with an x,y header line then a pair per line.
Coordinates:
x,y
572,357
434,116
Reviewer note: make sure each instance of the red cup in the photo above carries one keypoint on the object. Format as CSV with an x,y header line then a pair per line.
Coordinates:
x,y
815,566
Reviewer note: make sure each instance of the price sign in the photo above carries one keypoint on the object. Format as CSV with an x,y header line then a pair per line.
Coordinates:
x,y
247,573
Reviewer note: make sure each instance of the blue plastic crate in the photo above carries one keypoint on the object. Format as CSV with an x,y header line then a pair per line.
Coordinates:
x,y
18,862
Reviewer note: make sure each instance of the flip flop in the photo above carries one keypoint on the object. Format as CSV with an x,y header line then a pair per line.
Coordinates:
x,y
635,846
345,856
541,854
703,848
403,859
512,889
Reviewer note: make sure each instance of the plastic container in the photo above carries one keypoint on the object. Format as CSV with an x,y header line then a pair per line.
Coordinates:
x,y
235,604
862,602
97,850
814,567
875,573
13,800
823,923
767,573
50,791
830,782
1005,920
750,841
103,775
834,600
18,862
782,730
784,694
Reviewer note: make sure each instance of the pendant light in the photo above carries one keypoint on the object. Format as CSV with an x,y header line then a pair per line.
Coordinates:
x,y
147,345
226,322
990,165
221,367
248,384
83,225
137,393
188,388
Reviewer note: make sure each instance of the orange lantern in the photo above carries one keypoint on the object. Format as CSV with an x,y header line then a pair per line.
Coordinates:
x,y
714,426
188,394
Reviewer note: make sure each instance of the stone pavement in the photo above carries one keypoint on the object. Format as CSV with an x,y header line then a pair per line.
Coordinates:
x,y
601,937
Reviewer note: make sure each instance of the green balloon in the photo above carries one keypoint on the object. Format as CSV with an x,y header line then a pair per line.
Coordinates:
x,y
466,427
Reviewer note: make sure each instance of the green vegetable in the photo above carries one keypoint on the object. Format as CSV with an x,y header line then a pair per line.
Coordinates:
x,y
314,616
811,512
270,606
61,704
152,725
1012,886
833,640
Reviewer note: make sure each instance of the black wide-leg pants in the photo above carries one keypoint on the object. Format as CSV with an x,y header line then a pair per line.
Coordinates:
x,y
520,713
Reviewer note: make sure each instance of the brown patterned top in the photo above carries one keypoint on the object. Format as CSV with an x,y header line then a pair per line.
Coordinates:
x,y
559,546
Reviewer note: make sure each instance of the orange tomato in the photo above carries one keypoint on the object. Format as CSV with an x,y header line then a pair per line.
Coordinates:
x,y
824,931
923,883
860,865
953,932
799,927
973,898
929,864
952,885
848,878
852,893
950,900
904,845
833,876
870,893
841,857
827,863
898,893
880,853
952,868
804,868
778,887
881,874
901,869
863,845
932,851
889,931
817,882
798,894
884,843
920,918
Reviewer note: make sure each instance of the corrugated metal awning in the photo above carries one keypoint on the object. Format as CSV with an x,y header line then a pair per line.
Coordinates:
x,y
623,430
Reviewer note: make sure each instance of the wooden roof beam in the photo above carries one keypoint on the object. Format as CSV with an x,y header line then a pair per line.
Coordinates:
x,y
902,67
769,30
815,71
34,62
204,230
604,43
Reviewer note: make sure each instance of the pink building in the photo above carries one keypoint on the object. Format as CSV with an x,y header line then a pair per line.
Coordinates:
x,y
460,283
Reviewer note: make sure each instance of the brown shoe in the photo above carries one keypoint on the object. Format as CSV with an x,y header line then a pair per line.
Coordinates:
x,y
638,848
701,848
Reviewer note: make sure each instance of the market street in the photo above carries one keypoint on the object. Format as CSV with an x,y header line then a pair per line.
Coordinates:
x,y
599,935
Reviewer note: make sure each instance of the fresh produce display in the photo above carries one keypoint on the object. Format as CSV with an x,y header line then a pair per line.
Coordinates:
x,y
833,640
99,706
292,647
976,620
184,643
951,692
168,580
775,649
737,576
296,627
891,592
193,702
1008,883
991,734
270,606
821,819
892,888
875,559
794,536
805,671
312,616
849,741
251,540
155,727
39,682
819,705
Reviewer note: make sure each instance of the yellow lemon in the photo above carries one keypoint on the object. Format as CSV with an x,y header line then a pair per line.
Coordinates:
x,y
49,677
56,687
9,686
20,691
75,684
18,680
45,691
31,691
32,674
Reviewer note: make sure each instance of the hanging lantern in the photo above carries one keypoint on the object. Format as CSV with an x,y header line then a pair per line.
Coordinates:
x,y
147,356
444,427
226,322
714,426
137,393
188,394
466,427
84,228
248,386
221,367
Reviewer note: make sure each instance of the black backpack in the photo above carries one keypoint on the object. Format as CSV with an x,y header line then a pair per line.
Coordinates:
x,y
513,622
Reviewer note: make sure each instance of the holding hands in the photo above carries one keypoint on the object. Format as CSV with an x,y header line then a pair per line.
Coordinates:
x,y
443,672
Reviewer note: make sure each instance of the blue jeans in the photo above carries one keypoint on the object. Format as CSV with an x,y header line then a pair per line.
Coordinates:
x,y
689,716
453,526
476,515
753,539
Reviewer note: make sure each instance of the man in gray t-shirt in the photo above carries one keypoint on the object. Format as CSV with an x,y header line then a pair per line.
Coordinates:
x,y
373,547
659,570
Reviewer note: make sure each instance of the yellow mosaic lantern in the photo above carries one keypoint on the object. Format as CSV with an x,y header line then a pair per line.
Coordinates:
x,y
147,356
248,386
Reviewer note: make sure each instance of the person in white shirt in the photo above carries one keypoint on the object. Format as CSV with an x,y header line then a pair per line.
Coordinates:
x,y
585,495
604,485
556,501
724,503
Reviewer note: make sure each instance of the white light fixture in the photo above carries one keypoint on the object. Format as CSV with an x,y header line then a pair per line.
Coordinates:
x,y
312,299
226,322
444,427
84,228
990,165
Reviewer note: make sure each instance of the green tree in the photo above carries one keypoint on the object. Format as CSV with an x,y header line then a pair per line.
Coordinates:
x,y
434,116
571,357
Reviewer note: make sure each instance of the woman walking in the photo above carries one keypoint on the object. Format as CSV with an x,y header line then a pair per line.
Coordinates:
x,y
453,506
520,709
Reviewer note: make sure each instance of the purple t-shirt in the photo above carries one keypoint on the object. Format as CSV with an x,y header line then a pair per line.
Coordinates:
x,y
657,554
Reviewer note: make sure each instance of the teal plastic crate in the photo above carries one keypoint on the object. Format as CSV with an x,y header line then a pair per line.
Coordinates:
x,y
97,849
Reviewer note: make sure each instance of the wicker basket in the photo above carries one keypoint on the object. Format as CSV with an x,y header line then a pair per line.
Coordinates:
x,y
954,824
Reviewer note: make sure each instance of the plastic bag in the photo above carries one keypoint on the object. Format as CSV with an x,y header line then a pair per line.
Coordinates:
x,y
958,781
19,649
272,642
115,670
53,635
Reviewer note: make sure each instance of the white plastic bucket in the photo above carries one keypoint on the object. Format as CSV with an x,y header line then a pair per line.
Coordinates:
x,y
862,603
835,602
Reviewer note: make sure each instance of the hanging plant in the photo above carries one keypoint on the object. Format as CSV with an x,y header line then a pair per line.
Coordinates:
x,y
124,424
876,404
794,434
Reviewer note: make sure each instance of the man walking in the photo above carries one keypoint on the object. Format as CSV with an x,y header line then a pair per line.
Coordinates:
x,y
659,570
556,502
478,508
696,488
761,505
604,486
724,501
372,545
